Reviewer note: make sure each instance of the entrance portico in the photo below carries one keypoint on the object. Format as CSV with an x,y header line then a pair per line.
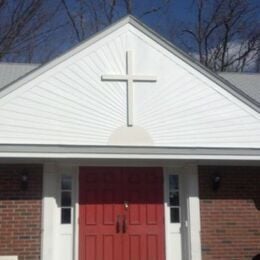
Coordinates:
x,y
156,195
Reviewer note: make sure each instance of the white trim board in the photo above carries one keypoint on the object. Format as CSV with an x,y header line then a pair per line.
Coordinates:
x,y
142,150
76,214
130,156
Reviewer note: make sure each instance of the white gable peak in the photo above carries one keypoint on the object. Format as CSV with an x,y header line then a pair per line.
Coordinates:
x,y
169,102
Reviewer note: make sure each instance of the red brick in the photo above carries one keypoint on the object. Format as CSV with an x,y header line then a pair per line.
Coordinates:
x,y
20,212
230,217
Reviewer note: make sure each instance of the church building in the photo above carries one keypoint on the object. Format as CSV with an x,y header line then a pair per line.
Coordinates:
x,y
125,148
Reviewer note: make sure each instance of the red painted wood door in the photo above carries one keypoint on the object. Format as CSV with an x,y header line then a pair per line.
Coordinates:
x,y
121,214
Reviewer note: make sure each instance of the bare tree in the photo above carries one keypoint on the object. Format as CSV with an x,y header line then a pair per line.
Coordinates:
x,y
23,27
225,35
128,6
89,16
33,30
258,59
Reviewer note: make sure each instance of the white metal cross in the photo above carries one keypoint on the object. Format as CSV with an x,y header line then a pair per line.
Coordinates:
x,y
129,78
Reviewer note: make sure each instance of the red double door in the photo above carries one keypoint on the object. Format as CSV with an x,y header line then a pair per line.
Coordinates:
x,y
121,214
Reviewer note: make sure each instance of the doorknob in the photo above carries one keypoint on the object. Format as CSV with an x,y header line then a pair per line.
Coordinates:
x,y
126,204
118,224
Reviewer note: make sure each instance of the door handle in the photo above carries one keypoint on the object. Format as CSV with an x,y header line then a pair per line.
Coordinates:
x,y
118,224
124,226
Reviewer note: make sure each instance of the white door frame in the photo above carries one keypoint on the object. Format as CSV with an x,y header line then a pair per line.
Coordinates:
x,y
52,229
173,231
183,239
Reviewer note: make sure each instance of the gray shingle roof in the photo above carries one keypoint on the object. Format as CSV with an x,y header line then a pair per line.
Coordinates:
x,y
10,72
249,83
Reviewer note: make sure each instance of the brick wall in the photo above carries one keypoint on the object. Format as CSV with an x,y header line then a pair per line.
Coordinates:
x,y
230,217
20,212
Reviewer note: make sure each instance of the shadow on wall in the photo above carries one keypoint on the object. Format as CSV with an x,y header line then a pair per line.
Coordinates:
x,y
129,181
230,214
14,187
236,183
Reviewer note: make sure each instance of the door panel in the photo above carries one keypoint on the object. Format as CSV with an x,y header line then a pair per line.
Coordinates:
x,y
99,199
121,213
144,237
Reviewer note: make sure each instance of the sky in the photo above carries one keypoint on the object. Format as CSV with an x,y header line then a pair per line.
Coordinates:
x,y
167,23
178,11
163,22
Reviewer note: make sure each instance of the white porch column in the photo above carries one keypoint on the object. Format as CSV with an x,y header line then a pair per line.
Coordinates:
x,y
193,213
49,207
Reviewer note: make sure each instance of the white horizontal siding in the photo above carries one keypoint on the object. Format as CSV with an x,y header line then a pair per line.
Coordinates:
x,y
71,105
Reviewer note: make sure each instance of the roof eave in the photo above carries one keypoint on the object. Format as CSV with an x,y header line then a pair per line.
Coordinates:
x,y
127,152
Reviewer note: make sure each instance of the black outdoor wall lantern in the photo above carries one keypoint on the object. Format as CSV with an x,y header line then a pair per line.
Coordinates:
x,y
216,179
24,180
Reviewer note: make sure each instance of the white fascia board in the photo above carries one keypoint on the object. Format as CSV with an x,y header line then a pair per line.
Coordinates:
x,y
130,156
127,152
